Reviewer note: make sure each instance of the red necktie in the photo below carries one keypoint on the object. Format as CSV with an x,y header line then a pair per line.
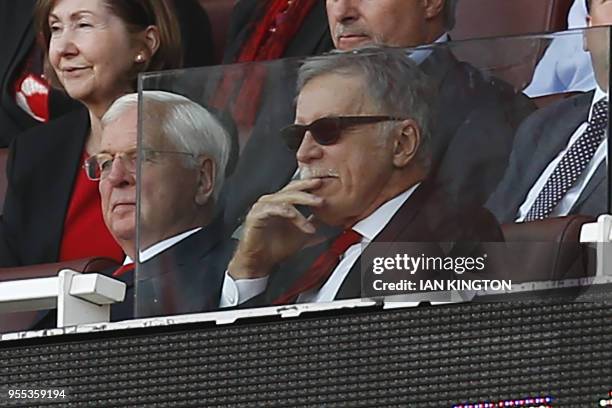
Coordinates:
x,y
123,269
321,269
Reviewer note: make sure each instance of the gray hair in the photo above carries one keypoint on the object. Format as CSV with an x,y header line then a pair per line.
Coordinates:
x,y
187,125
393,82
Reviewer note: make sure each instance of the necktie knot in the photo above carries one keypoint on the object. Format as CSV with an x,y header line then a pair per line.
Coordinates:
x,y
322,267
344,241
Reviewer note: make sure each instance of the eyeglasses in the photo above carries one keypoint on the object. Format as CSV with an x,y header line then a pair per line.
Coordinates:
x,y
326,131
99,165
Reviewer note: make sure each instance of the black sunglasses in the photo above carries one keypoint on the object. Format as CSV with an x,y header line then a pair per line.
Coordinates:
x,y
326,131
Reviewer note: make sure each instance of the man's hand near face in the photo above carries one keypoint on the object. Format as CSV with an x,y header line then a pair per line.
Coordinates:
x,y
274,230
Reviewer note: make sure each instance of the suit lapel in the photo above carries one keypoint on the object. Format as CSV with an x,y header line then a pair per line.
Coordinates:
x,y
397,225
438,64
550,141
188,275
557,136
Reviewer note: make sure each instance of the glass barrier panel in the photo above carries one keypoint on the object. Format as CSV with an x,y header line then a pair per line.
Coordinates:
x,y
397,174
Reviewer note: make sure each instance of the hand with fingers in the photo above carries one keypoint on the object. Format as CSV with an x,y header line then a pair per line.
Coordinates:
x,y
274,230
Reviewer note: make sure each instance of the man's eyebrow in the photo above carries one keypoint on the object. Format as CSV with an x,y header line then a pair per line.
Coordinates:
x,y
129,149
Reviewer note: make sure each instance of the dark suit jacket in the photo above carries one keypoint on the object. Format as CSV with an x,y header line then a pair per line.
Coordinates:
x,y
42,167
538,141
475,121
428,216
185,278
196,34
476,117
313,37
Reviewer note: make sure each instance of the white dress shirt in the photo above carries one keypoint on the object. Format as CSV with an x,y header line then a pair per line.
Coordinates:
x,y
235,292
161,246
571,197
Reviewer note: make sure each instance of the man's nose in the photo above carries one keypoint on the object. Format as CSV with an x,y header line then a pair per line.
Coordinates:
x,y
343,11
309,150
119,176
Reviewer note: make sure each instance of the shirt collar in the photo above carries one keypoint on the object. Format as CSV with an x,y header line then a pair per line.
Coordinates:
x,y
420,53
599,95
371,226
161,246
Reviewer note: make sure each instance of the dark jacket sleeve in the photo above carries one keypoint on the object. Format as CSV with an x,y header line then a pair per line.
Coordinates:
x,y
8,253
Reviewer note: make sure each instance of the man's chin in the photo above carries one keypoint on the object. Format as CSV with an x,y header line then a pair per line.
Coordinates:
x,y
350,43
123,231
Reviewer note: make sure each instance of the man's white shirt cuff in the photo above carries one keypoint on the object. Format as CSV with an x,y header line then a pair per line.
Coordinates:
x,y
236,292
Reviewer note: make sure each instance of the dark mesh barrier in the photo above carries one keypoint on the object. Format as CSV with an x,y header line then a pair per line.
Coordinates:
x,y
412,357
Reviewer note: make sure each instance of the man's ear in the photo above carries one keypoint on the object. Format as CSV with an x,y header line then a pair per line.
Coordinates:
x,y
206,180
434,8
406,143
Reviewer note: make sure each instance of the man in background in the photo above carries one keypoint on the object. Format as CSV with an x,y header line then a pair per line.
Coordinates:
x,y
558,162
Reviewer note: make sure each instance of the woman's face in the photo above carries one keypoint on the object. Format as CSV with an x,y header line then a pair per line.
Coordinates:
x,y
91,51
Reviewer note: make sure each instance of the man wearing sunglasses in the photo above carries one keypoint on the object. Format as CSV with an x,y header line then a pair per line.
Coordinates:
x,y
184,156
363,154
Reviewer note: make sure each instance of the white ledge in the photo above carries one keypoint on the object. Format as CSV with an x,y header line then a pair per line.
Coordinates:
x,y
79,298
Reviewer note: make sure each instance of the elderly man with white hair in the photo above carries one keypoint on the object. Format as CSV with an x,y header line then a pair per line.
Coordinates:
x,y
184,154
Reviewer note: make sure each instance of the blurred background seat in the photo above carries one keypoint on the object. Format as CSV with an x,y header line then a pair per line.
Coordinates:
x,y
553,248
513,60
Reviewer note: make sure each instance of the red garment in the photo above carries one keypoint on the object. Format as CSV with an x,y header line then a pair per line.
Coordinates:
x,y
31,90
85,233
321,269
268,41
274,32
